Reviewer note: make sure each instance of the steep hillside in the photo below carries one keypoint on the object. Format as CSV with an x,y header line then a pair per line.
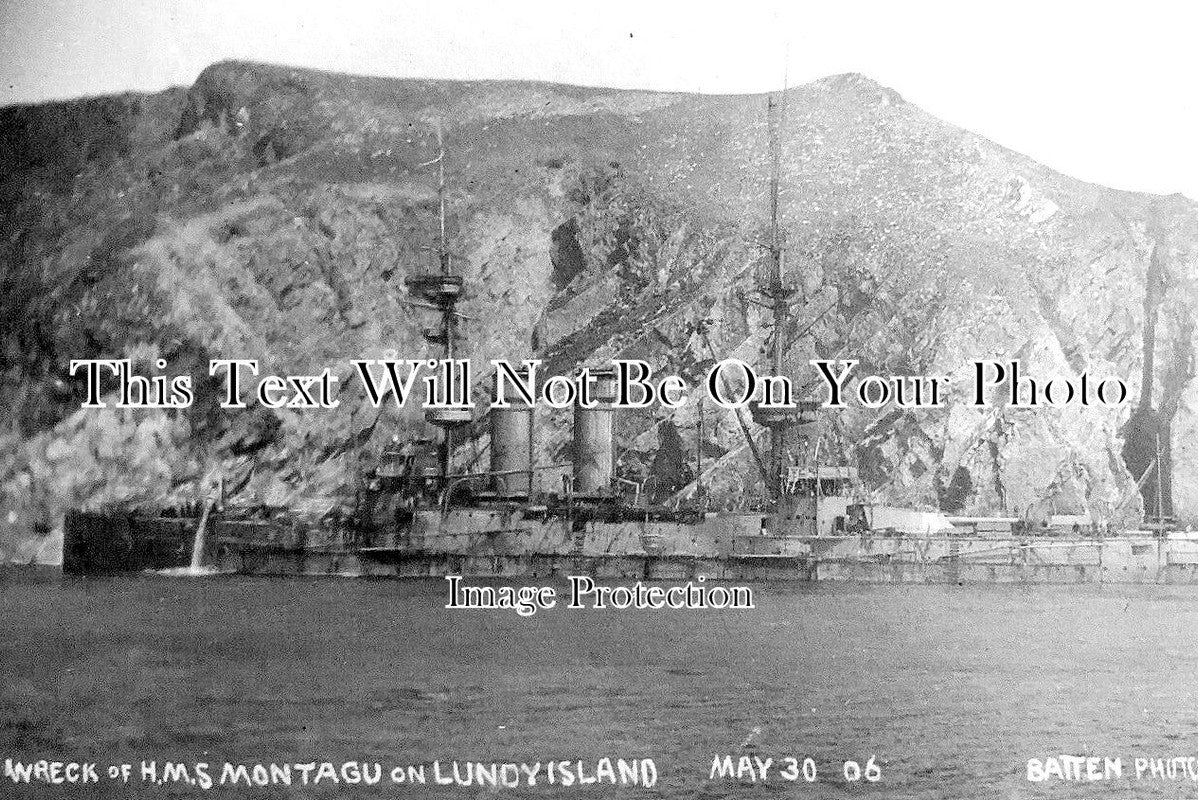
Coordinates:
x,y
274,213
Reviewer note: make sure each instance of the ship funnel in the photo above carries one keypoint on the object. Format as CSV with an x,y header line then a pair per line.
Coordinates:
x,y
512,443
593,462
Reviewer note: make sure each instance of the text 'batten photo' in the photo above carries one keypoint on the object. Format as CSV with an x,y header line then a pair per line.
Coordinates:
x,y
622,400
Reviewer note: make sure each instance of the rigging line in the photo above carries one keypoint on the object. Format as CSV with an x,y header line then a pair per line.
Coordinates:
x,y
744,428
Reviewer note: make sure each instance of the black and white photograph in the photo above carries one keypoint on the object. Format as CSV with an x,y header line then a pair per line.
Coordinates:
x,y
614,399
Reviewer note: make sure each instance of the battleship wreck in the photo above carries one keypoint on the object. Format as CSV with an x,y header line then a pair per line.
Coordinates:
x,y
417,513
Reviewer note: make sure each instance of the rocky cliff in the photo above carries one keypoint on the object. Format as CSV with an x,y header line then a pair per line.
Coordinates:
x,y
274,213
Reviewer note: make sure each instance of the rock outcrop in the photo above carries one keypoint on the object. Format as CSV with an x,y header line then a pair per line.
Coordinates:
x,y
274,213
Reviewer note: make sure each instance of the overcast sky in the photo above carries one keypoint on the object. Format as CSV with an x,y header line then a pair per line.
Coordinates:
x,y
1106,93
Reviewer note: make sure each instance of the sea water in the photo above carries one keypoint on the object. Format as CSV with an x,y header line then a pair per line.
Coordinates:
x,y
937,691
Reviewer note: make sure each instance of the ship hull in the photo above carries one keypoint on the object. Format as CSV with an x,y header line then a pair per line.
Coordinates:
x,y
721,548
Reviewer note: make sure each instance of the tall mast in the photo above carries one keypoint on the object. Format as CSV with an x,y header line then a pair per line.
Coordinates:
x,y
448,312
443,289
447,309
442,249
778,294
